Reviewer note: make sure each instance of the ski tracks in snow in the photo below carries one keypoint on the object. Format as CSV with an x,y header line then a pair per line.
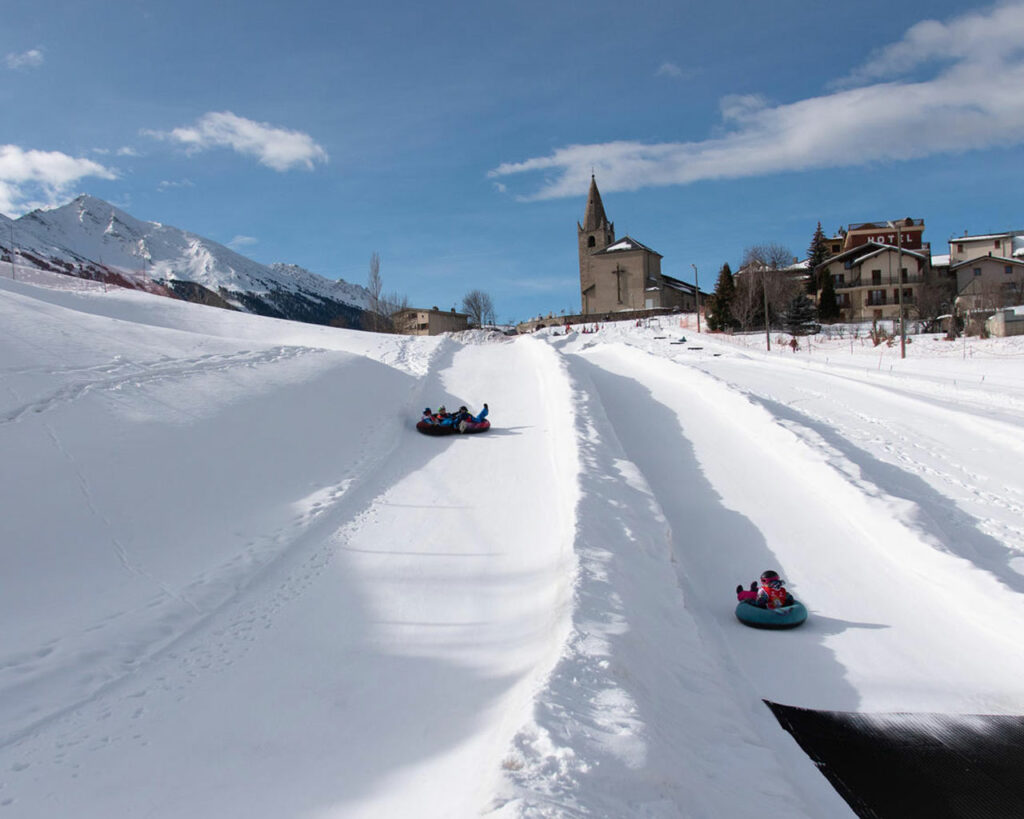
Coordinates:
x,y
727,480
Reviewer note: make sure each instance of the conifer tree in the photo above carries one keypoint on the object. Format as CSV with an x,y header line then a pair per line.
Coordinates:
x,y
719,307
800,316
828,310
816,254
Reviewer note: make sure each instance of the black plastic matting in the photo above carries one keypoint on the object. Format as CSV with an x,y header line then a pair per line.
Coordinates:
x,y
903,766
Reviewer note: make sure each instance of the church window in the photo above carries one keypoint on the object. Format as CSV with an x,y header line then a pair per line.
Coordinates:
x,y
590,241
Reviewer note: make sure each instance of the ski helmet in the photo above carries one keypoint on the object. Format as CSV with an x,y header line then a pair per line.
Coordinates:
x,y
441,408
426,411
769,576
463,409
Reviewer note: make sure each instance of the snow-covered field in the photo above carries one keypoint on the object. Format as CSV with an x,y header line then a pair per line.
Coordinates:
x,y
237,583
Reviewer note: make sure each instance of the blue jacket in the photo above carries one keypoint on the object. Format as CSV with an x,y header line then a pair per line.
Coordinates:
x,y
468,416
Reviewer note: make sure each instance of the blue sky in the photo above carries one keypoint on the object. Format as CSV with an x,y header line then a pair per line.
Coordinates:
x,y
457,139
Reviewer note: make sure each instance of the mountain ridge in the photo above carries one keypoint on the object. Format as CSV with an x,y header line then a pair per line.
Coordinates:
x,y
91,238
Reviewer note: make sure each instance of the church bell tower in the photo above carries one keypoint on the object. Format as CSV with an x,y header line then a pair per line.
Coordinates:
x,y
594,234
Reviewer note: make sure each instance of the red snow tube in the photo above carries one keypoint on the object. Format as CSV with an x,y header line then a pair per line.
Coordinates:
x,y
466,428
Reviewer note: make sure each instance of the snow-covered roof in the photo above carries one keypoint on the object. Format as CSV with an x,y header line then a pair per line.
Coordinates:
x,y
678,284
1017,237
864,251
976,259
987,237
626,244
942,260
882,248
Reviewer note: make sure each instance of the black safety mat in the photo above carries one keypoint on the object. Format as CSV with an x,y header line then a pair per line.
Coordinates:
x,y
903,766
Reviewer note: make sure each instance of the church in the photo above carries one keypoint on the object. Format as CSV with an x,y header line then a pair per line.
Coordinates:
x,y
624,274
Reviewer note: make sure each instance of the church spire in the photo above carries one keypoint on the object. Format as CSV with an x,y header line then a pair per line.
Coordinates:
x,y
594,217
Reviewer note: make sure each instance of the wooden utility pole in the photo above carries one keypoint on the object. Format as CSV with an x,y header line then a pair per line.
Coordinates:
x,y
696,291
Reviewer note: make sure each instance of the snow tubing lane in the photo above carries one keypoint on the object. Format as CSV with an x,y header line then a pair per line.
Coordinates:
x,y
784,617
434,429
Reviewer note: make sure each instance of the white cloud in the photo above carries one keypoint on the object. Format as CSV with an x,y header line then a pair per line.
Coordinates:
x,y
181,183
242,241
974,103
675,72
31,179
984,37
33,58
277,148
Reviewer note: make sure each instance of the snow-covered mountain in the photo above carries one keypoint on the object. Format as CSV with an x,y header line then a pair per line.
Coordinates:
x,y
93,239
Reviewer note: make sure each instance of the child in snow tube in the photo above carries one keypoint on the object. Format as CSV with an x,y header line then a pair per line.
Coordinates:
x,y
770,594
463,417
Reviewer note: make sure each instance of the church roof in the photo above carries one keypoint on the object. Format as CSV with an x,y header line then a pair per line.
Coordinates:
x,y
594,216
624,245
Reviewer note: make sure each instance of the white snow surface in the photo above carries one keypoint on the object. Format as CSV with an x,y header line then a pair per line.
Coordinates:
x,y
237,582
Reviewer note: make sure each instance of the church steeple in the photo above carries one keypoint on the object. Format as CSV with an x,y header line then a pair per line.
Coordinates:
x,y
594,235
596,232
594,217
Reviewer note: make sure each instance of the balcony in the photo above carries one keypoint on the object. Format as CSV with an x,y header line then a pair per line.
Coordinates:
x,y
884,281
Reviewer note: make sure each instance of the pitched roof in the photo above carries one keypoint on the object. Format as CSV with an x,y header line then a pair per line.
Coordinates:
x,y
976,259
626,244
594,216
861,252
678,284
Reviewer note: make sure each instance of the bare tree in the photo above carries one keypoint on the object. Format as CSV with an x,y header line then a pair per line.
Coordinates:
x,y
479,307
766,281
934,299
390,304
746,302
380,312
374,312
771,255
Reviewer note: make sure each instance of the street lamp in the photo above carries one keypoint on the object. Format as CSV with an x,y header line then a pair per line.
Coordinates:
x,y
899,277
764,288
696,290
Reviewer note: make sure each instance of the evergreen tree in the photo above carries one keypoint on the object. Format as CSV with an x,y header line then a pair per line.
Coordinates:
x,y
800,316
719,306
816,254
828,310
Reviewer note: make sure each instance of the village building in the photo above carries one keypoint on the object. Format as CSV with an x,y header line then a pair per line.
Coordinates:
x,y
877,262
988,270
906,233
1006,322
414,321
622,275
868,278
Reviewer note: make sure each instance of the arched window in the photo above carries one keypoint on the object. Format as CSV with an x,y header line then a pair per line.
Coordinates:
x,y
590,241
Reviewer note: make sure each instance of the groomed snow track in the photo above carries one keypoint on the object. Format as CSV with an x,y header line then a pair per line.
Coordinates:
x,y
240,583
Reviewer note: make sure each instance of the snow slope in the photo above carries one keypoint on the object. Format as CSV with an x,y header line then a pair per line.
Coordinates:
x,y
238,583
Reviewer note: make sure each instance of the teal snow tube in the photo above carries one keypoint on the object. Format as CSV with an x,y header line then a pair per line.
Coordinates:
x,y
782,617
